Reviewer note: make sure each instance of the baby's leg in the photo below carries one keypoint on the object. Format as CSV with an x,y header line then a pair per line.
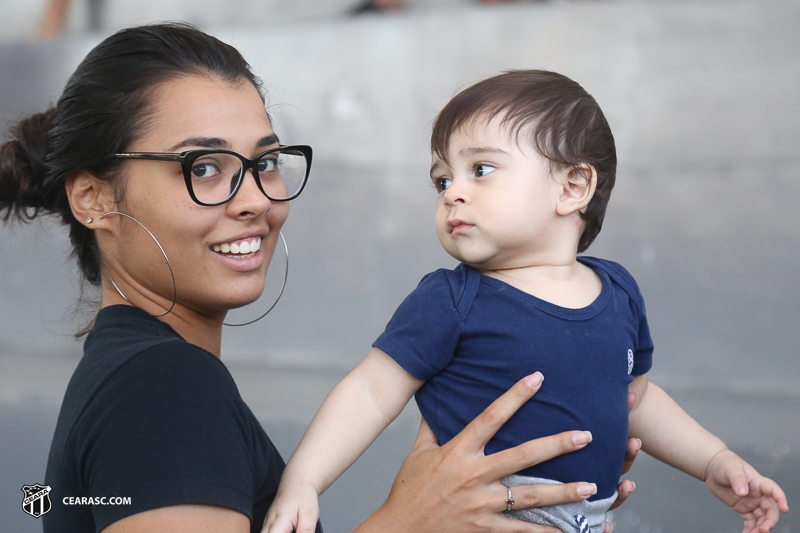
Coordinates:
x,y
575,517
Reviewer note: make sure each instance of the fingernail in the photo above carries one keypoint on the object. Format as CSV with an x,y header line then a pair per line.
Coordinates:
x,y
582,438
534,380
587,489
634,486
640,443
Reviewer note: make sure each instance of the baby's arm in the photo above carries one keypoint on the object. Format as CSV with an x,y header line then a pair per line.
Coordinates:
x,y
353,415
670,435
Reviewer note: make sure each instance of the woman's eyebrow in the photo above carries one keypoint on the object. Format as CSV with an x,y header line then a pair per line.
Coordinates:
x,y
204,142
269,140
216,142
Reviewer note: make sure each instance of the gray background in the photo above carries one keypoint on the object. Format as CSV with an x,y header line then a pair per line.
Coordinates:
x,y
703,100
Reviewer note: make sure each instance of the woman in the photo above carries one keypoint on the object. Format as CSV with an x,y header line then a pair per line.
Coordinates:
x,y
161,159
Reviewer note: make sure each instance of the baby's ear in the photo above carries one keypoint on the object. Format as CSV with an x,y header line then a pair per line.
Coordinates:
x,y
578,184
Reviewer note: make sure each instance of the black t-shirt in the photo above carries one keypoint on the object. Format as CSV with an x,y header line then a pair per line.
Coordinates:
x,y
148,421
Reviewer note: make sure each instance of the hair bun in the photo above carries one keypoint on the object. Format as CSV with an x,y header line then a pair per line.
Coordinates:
x,y
23,169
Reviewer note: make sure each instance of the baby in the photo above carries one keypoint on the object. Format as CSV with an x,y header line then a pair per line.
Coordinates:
x,y
523,164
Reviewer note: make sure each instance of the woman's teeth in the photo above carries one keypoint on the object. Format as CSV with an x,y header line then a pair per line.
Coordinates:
x,y
243,247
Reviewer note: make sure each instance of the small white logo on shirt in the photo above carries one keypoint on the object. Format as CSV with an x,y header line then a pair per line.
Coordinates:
x,y
630,361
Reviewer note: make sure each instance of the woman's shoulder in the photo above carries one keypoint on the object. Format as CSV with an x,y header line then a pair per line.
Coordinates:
x,y
127,344
138,378
155,418
132,363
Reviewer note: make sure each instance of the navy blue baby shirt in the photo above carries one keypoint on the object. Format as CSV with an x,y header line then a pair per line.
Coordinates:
x,y
472,337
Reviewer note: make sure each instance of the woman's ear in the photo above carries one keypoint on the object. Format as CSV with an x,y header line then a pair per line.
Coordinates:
x,y
89,198
579,183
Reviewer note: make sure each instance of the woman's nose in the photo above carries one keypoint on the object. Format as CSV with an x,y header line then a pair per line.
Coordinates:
x,y
249,201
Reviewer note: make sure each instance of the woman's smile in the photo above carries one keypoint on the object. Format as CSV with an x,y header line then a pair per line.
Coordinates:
x,y
242,255
240,247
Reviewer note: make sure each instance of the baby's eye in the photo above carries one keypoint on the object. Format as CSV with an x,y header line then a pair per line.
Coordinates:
x,y
481,169
442,184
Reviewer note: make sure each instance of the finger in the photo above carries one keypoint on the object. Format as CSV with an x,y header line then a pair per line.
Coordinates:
x,y
754,519
624,489
479,431
279,526
267,523
749,525
306,521
426,440
533,452
607,528
771,516
539,495
631,451
738,481
631,401
774,491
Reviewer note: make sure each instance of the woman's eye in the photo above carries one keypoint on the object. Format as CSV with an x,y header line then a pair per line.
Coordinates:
x,y
481,169
442,184
204,170
267,165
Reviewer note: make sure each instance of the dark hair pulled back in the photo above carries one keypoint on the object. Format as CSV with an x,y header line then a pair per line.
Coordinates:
x,y
104,107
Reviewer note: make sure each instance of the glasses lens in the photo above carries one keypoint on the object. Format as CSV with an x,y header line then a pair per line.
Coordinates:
x,y
282,173
215,176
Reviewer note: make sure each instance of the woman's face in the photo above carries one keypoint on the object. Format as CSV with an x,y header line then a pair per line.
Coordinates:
x,y
196,112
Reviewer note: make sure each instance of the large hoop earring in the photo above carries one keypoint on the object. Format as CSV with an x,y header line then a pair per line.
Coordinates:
x,y
171,273
285,277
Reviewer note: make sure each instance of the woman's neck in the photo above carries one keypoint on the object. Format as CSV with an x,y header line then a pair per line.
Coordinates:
x,y
196,329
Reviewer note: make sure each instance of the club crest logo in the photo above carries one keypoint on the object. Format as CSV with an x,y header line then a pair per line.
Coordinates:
x,y
36,501
630,361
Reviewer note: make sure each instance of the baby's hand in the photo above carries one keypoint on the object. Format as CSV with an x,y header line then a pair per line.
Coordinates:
x,y
752,495
296,508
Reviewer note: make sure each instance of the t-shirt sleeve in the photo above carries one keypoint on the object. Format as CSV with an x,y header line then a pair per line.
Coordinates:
x,y
423,333
643,353
166,428
643,356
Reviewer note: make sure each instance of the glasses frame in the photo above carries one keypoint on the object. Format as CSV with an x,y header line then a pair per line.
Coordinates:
x,y
187,158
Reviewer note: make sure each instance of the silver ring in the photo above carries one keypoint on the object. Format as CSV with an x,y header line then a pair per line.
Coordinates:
x,y
510,500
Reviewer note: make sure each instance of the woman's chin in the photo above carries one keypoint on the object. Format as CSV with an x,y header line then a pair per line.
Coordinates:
x,y
243,300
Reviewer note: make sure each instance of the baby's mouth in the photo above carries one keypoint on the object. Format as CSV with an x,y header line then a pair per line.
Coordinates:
x,y
239,249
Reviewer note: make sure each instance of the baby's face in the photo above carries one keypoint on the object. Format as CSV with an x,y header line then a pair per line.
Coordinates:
x,y
497,199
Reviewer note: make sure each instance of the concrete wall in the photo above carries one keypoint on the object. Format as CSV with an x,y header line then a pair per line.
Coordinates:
x,y
703,100
702,97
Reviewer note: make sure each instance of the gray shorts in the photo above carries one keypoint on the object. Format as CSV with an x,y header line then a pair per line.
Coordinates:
x,y
574,517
